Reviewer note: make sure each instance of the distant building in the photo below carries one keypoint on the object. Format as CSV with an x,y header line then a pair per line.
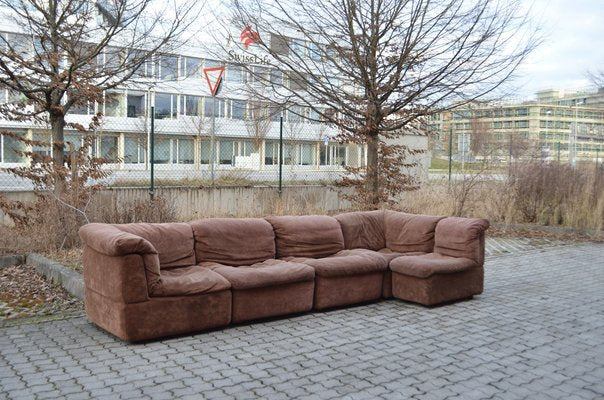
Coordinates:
x,y
560,124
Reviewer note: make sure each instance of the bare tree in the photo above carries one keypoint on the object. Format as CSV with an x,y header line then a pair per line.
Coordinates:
x,y
481,137
69,52
372,67
597,78
258,118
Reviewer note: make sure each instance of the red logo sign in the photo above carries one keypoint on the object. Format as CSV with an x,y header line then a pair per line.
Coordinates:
x,y
248,36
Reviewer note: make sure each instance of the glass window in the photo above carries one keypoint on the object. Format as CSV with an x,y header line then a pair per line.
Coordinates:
x,y
135,105
114,104
297,81
220,107
276,77
324,155
238,109
226,152
212,64
109,148
184,151
192,67
161,151
271,152
43,143
279,44
165,106
191,106
236,74
259,74
80,108
134,150
75,139
314,52
12,149
307,156
168,67
205,152
340,155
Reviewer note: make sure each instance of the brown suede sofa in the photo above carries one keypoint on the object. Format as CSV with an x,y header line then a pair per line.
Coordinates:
x,y
146,281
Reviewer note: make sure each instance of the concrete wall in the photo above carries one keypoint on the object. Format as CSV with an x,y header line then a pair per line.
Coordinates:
x,y
191,203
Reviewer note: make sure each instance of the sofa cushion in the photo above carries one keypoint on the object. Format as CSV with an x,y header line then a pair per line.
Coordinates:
x,y
461,237
391,255
345,263
313,236
409,232
266,273
193,279
233,241
173,241
429,264
363,229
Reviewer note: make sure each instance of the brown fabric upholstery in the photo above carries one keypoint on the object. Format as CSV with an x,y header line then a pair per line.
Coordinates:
x,y
440,288
233,241
173,241
430,264
363,229
120,279
160,316
110,240
345,263
409,232
345,290
273,301
391,255
461,237
266,273
307,236
194,279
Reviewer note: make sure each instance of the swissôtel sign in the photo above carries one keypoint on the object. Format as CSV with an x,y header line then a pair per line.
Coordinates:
x,y
247,38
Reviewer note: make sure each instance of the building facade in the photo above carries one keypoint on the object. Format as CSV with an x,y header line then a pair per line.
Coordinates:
x,y
557,125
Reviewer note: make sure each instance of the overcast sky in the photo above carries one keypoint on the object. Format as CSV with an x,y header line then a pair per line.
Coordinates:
x,y
573,31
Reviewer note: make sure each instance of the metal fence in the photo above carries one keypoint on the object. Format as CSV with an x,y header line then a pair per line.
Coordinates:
x,y
180,150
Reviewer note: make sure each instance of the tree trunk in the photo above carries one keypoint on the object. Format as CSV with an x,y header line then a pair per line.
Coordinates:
x,y
372,185
57,127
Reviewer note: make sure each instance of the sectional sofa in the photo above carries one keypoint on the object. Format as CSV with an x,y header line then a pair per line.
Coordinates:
x,y
146,281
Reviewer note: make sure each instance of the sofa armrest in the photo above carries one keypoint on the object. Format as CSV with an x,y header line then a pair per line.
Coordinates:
x,y
461,237
109,240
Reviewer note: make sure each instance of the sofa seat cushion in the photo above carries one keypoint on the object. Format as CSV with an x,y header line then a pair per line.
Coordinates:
x,y
194,279
391,255
429,264
264,274
346,263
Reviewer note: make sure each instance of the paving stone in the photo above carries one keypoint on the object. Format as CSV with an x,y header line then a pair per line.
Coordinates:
x,y
535,332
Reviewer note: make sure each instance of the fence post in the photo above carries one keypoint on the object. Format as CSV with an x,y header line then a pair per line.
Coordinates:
x,y
450,149
280,154
152,154
558,152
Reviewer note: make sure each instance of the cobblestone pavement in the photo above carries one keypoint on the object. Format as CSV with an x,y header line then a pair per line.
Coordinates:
x,y
537,332
502,245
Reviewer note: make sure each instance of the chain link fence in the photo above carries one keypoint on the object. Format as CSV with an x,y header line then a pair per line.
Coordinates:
x,y
234,149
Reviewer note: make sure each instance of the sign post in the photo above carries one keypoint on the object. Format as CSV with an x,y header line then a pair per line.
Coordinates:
x,y
214,78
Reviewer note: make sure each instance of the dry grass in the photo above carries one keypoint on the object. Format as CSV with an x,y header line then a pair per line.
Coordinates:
x,y
536,193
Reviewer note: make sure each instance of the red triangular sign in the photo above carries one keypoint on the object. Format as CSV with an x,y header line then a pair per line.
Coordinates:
x,y
213,76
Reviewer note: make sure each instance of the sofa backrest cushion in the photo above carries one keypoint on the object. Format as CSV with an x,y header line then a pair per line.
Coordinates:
x,y
461,237
313,236
409,232
233,241
363,229
173,241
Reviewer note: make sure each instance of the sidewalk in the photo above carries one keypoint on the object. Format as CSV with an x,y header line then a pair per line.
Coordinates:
x,y
536,332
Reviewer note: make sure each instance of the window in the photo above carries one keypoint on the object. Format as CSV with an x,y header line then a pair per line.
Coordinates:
x,y
191,67
236,74
307,154
276,77
298,48
135,150
314,52
259,74
206,152
80,108
114,104
43,145
165,106
76,140
220,107
135,105
182,151
168,67
109,148
191,105
297,81
279,44
238,109
212,64
161,151
271,152
11,149
225,155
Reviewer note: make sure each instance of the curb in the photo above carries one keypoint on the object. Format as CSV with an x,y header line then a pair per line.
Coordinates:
x,y
558,230
11,261
69,279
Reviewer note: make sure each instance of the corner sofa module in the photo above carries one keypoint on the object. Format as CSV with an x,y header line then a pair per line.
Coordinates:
x,y
141,282
341,277
454,271
243,252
